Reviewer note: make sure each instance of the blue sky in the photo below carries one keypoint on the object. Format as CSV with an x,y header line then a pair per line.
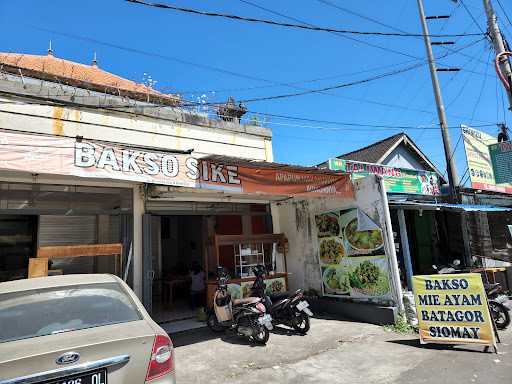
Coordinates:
x,y
281,55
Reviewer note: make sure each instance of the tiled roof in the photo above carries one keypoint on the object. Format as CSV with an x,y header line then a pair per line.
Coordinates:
x,y
375,152
49,67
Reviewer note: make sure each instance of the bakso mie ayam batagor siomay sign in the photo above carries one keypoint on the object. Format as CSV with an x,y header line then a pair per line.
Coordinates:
x,y
452,309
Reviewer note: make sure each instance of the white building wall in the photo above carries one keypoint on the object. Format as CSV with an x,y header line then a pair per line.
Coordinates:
x,y
401,157
129,129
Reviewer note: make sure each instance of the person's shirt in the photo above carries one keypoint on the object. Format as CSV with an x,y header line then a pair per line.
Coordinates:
x,y
197,281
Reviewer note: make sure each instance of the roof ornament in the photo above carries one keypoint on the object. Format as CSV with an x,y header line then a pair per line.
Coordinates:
x,y
94,60
50,50
230,111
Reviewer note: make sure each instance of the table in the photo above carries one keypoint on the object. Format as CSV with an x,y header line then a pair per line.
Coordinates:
x,y
168,286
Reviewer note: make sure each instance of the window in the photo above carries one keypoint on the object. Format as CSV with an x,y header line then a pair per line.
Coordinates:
x,y
49,311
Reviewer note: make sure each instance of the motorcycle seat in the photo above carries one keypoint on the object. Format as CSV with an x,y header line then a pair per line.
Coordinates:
x,y
279,303
246,301
279,296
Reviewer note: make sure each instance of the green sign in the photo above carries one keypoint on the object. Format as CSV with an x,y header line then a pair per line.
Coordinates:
x,y
396,180
501,158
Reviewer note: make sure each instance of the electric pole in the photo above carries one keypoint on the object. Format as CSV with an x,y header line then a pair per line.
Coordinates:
x,y
499,47
453,178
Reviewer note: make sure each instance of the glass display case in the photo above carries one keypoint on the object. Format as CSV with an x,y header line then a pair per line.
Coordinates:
x,y
247,256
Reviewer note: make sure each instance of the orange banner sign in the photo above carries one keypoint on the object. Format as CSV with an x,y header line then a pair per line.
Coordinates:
x,y
83,158
286,181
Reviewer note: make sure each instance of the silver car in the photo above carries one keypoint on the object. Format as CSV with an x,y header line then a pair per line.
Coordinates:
x,y
79,329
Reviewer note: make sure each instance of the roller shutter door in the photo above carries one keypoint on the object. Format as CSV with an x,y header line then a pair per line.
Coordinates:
x,y
66,230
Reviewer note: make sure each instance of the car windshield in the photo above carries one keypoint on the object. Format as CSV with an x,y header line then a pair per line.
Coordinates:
x,y
48,311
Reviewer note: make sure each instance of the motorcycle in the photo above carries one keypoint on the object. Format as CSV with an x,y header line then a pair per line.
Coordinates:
x,y
245,317
499,304
290,310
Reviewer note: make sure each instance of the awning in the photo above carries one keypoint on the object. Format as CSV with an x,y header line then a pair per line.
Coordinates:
x,y
445,206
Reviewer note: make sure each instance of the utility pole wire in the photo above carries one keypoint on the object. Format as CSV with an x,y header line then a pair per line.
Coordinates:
x,y
289,25
471,15
344,85
504,12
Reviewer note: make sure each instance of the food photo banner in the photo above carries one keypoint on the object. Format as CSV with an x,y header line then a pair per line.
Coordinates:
x,y
453,309
352,261
83,158
396,180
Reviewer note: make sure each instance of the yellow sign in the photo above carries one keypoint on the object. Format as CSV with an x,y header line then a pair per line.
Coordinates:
x,y
452,309
480,168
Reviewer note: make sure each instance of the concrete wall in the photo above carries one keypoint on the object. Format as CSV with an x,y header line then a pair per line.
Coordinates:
x,y
401,157
296,219
140,125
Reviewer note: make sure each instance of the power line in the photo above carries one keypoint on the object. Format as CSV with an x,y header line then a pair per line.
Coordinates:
x,y
338,86
155,55
296,118
364,17
289,25
351,38
298,82
472,17
504,12
481,89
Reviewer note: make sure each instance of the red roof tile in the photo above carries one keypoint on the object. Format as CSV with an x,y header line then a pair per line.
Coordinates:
x,y
76,74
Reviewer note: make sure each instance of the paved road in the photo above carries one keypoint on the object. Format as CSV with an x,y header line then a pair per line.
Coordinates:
x,y
337,351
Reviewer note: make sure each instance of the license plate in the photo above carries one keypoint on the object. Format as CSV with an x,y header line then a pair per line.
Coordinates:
x,y
302,305
266,320
97,377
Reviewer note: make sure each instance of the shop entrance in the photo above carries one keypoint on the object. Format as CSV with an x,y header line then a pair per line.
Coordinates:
x,y
180,254
178,264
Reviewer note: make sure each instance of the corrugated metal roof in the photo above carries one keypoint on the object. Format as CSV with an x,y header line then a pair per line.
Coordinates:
x,y
456,207
243,162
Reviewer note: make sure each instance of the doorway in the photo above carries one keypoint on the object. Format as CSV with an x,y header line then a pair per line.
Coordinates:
x,y
178,250
18,238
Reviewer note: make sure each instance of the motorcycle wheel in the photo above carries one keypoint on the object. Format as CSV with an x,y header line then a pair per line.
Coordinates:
x,y
500,314
213,323
262,335
301,323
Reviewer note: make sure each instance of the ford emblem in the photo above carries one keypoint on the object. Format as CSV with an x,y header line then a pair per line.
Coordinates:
x,y
68,358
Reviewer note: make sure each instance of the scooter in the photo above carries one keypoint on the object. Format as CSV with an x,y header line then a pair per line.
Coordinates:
x,y
499,304
290,310
246,317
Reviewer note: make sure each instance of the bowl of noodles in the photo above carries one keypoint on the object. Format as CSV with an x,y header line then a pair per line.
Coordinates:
x,y
367,241
336,280
331,250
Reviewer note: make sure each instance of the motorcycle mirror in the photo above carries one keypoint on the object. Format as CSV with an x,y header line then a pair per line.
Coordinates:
x,y
434,266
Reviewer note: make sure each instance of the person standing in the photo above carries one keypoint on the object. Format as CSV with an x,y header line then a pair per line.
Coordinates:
x,y
197,286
